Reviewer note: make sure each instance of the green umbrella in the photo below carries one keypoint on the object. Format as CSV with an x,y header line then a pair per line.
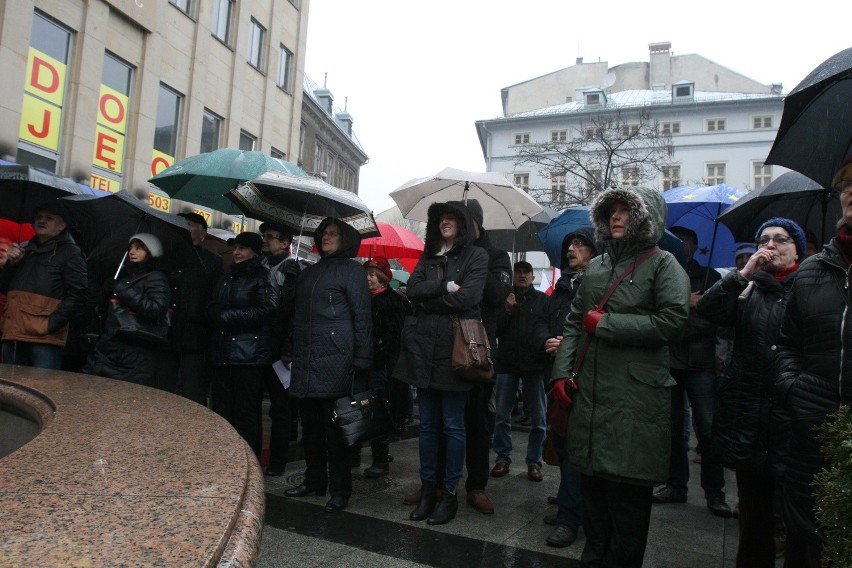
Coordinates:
x,y
204,179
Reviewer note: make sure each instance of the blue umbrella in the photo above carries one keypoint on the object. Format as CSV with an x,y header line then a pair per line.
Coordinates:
x,y
572,219
696,207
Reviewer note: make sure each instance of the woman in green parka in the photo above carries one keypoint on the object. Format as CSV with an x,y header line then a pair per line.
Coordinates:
x,y
619,423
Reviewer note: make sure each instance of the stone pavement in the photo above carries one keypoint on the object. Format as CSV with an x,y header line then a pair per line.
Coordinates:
x,y
374,530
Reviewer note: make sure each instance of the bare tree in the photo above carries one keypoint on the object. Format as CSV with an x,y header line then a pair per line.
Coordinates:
x,y
607,145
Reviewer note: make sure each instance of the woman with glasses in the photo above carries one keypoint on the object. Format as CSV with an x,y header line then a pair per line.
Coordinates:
x,y
750,428
814,374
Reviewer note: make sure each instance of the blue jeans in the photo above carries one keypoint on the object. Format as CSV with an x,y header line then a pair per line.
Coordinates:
x,y
442,410
700,387
534,403
39,355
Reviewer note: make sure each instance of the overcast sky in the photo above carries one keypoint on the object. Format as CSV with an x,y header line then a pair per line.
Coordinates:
x,y
418,75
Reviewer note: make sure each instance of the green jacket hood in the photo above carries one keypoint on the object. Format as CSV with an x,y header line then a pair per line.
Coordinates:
x,y
647,214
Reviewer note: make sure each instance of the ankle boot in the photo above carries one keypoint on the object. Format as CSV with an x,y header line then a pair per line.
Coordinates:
x,y
427,502
445,511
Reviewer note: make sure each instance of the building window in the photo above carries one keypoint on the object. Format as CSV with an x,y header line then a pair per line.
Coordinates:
x,y
557,187
320,153
522,180
670,176
168,119
247,141
211,131
285,64
111,126
761,122
182,5
522,138
630,176
256,50
277,154
682,91
593,99
223,11
715,174
558,135
669,128
593,133
715,125
628,130
761,174
594,180
302,132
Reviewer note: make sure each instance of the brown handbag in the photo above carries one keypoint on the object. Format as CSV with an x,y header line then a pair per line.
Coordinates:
x,y
472,351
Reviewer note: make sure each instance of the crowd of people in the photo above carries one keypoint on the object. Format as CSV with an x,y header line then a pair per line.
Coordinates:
x,y
614,367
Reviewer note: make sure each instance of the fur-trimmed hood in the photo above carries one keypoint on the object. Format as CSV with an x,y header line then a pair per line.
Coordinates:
x,y
433,233
647,214
350,238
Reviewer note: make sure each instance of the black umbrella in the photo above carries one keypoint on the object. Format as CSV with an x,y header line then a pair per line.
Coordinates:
x,y
24,188
791,195
524,238
815,135
103,226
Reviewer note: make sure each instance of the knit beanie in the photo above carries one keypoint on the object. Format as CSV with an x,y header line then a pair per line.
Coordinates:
x,y
152,243
381,264
791,227
249,240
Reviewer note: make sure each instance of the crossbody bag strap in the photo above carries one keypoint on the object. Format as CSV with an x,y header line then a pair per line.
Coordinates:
x,y
581,356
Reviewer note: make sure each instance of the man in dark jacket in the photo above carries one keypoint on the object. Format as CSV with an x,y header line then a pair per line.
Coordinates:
x,y
521,360
578,249
46,286
693,366
479,419
185,368
285,270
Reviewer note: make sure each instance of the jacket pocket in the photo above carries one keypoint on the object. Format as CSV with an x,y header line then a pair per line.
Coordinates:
x,y
651,375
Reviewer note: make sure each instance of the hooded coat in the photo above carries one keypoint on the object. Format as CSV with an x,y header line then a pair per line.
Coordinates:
x,y
332,327
427,337
814,374
619,426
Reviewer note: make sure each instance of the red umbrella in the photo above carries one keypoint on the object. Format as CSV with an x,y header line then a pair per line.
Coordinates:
x,y
394,242
409,263
15,232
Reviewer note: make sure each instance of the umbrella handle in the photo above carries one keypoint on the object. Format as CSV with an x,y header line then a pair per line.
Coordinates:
x,y
120,266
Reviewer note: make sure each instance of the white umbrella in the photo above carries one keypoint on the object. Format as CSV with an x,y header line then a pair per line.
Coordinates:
x,y
504,206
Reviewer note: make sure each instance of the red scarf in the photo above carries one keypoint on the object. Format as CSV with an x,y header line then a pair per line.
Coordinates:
x,y
378,291
844,242
784,272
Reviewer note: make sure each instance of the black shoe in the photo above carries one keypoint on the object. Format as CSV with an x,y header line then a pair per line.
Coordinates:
x,y
336,503
668,495
551,520
275,470
719,508
562,536
426,504
303,491
377,470
445,511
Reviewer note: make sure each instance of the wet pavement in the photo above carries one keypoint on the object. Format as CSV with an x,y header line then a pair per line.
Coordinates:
x,y
374,530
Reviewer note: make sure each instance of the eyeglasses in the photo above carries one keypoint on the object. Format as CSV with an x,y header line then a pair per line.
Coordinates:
x,y
577,243
271,238
843,186
779,240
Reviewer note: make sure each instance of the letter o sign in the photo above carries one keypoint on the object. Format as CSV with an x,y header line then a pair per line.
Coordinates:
x,y
112,109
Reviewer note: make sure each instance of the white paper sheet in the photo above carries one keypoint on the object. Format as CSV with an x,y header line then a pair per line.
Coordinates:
x,y
282,372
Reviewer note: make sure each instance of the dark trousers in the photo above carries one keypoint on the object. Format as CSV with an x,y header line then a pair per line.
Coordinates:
x,y
279,416
479,425
326,455
700,387
616,517
569,497
756,522
190,369
237,398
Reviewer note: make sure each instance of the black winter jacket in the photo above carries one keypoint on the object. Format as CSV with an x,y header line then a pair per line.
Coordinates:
x,y
242,308
696,351
389,309
332,328
46,290
551,323
146,292
750,429
814,373
191,286
520,350
498,284
427,338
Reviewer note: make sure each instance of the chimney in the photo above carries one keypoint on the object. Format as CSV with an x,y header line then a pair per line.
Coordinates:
x,y
344,119
776,88
659,67
579,61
